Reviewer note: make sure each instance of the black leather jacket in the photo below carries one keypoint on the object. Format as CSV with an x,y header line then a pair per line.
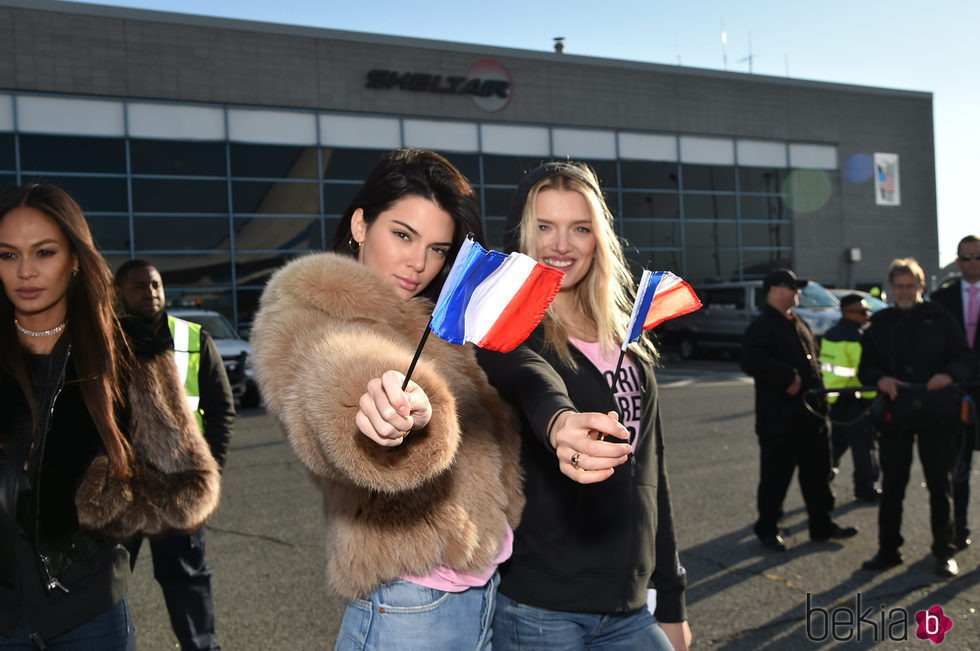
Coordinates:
x,y
62,573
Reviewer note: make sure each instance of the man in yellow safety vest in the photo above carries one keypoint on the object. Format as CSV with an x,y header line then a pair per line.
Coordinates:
x,y
840,357
179,563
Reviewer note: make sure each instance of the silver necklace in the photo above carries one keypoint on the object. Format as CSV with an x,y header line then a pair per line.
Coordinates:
x,y
43,333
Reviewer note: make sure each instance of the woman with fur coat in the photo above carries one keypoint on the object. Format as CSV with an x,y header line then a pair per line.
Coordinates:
x,y
421,487
97,441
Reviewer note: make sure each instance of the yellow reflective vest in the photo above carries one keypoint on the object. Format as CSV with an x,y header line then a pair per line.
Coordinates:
x,y
187,354
840,357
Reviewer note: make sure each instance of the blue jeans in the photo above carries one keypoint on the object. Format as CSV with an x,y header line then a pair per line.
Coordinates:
x,y
112,630
409,617
526,628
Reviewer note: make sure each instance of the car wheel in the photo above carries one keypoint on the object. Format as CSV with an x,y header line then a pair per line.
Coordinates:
x,y
688,349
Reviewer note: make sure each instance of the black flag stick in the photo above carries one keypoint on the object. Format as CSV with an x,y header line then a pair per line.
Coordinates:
x,y
619,365
418,353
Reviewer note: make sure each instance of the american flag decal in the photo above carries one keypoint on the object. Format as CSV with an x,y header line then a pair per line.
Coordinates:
x,y
886,180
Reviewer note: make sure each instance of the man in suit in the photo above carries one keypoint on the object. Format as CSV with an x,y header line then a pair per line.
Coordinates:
x,y
962,298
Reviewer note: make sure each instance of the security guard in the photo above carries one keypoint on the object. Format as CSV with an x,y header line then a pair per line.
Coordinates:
x,y
779,352
179,563
840,356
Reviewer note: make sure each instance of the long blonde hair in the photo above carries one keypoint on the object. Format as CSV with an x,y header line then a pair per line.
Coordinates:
x,y
605,295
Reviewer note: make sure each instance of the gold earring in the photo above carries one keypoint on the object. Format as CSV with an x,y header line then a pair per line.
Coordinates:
x,y
74,272
353,244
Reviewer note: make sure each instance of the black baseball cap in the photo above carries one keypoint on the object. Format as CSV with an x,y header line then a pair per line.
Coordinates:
x,y
853,299
783,277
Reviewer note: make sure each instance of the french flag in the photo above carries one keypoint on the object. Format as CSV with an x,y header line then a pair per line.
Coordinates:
x,y
493,300
661,296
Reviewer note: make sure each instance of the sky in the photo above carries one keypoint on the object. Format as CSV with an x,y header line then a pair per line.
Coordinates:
x,y
911,45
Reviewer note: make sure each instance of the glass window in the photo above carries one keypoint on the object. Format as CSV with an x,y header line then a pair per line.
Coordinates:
x,y
270,197
349,164
756,263
211,270
711,263
708,177
337,196
644,234
637,205
256,268
662,260
72,154
495,229
110,233
605,169
94,193
508,170
274,161
760,179
764,207
765,234
709,206
468,164
180,233
497,201
649,174
8,160
178,157
7,181
711,234
163,195
266,233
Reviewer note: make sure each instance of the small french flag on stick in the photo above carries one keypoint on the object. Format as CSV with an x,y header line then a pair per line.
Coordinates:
x,y
661,296
493,300
490,299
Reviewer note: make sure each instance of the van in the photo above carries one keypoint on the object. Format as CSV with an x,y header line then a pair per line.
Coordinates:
x,y
727,310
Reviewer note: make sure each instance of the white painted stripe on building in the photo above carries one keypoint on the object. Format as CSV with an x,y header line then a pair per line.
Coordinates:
x,y
178,121
442,136
272,127
84,117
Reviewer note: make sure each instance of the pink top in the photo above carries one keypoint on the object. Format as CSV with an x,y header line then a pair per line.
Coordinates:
x,y
627,388
449,580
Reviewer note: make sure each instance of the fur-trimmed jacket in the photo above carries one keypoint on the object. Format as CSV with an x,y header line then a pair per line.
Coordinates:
x,y
62,515
326,326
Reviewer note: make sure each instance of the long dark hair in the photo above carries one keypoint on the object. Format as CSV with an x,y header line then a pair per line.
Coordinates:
x,y
415,172
93,330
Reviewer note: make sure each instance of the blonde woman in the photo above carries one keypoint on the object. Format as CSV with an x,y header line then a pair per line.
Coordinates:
x,y
597,533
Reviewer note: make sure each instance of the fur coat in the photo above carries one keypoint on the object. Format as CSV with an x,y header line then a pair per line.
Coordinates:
x,y
326,326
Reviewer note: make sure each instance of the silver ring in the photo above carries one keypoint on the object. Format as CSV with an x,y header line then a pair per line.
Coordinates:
x,y
575,458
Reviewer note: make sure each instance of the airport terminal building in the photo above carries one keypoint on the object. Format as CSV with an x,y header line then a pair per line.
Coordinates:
x,y
219,149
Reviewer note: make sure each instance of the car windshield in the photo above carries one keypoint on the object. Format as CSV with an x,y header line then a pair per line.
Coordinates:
x,y
814,295
216,325
875,303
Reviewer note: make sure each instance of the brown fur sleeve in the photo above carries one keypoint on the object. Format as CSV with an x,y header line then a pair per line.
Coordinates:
x,y
175,484
313,370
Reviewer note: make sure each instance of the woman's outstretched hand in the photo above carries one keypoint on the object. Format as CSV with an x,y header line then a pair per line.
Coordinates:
x,y
582,455
387,414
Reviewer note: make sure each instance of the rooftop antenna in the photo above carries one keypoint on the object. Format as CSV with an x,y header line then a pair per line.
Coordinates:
x,y
724,46
559,44
751,56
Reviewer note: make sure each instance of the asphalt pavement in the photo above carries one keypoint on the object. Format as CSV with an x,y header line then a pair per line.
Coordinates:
x,y
265,545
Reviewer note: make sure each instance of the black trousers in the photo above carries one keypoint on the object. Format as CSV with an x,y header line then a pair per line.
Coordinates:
x,y
181,569
937,449
781,452
852,429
